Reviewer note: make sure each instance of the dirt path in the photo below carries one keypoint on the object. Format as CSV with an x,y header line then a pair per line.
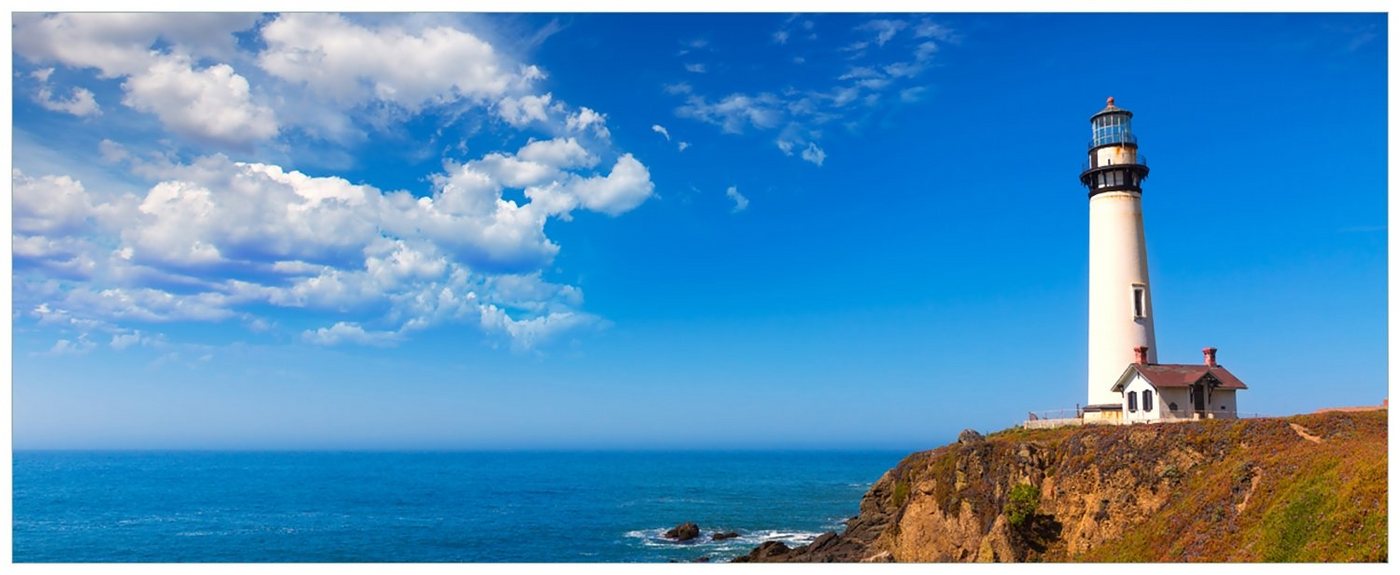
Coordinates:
x,y
1303,433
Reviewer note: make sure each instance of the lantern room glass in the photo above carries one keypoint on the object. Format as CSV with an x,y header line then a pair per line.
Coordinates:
x,y
1113,128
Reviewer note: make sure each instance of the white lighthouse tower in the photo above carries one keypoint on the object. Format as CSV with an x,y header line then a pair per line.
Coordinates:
x,y
1120,296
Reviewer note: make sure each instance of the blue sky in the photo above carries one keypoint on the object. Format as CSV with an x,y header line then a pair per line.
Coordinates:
x,y
667,231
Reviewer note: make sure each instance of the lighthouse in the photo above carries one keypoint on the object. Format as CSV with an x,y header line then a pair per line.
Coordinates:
x,y
1120,295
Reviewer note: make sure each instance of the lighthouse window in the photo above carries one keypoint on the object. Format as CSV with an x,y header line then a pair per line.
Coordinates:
x,y
1147,400
1139,301
1132,401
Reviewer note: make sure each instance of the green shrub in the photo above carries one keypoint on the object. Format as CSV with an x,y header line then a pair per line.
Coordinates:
x,y
901,493
1021,504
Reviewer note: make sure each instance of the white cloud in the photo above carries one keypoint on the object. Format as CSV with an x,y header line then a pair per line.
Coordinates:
x,y
534,331
81,103
734,112
696,68
216,236
885,65
525,109
49,204
211,104
624,188
814,154
348,332
586,118
213,239
120,44
559,153
125,339
352,64
681,146
930,29
741,203
884,29
71,347
658,128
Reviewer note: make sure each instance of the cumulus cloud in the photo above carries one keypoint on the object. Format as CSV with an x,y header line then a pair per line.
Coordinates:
x,y
525,109
81,103
814,154
120,44
586,119
624,188
49,204
741,203
210,238
235,234
351,64
212,103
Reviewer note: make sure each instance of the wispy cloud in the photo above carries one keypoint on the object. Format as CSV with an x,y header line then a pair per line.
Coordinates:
x,y
879,63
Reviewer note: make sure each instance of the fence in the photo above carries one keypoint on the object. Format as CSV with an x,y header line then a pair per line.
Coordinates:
x,y
1051,418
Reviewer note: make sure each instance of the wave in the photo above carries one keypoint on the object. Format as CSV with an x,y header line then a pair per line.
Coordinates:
x,y
747,539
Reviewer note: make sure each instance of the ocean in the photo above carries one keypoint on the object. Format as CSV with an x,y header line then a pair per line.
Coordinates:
x,y
211,506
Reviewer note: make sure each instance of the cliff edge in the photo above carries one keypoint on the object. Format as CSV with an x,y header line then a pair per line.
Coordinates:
x,y
1301,488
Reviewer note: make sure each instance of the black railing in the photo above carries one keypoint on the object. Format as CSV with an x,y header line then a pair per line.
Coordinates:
x,y
1140,160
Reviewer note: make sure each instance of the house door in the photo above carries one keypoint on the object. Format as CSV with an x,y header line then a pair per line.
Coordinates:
x,y
1198,397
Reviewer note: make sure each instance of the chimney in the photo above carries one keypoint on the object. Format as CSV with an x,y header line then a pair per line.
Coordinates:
x,y
1209,352
1141,354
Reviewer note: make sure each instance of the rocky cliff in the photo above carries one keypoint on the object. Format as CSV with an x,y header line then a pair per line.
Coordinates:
x,y
1301,488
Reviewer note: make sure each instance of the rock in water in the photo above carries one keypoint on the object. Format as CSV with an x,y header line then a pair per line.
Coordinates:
x,y
724,535
969,437
683,532
768,552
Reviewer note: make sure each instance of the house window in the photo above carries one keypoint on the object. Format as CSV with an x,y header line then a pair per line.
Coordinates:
x,y
1172,406
1139,301
1147,400
1132,401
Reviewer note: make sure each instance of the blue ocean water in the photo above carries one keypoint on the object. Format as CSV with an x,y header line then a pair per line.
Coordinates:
x,y
425,506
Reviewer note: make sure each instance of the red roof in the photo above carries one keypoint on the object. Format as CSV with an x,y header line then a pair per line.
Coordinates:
x,y
1180,375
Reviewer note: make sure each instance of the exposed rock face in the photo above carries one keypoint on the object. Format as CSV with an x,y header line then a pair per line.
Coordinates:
x,y
723,536
969,437
1246,490
683,532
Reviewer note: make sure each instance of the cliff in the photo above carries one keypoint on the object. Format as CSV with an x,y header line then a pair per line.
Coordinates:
x,y
1301,488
